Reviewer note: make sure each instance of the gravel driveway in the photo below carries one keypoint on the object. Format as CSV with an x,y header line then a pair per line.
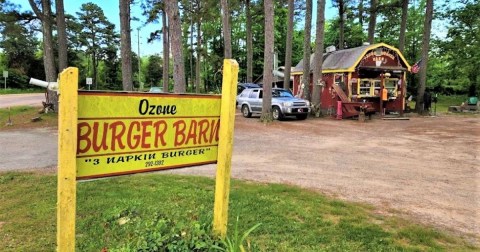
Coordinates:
x,y
425,168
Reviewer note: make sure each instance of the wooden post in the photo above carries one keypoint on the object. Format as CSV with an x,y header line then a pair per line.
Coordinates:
x,y
382,75
225,147
67,148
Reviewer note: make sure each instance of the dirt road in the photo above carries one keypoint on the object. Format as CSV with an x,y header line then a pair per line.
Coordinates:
x,y
11,100
424,168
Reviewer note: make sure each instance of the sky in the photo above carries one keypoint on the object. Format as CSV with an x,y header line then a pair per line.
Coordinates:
x,y
111,11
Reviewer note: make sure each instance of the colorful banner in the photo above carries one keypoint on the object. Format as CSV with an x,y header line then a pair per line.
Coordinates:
x,y
123,133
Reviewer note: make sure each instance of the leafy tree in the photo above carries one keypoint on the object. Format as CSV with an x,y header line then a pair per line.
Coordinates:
x,y
341,5
354,35
153,9
154,70
459,54
93,36
112,65
19,45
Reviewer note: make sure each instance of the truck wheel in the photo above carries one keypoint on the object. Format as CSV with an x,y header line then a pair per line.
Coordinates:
x,y
246,113
277,113
302,117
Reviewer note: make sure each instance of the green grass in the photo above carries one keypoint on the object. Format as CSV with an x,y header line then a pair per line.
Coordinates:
x,y
141,211
21,91
444,102
21,117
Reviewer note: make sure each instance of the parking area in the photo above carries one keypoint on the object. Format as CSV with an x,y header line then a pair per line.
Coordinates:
x,y
425,168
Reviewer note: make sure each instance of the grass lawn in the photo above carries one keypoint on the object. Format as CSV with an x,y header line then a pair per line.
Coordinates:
x,y
21,117
142,212
21,91
444,102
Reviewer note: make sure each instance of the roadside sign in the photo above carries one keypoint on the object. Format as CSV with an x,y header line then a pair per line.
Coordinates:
x,y
89,81
114,133
125,133
5,76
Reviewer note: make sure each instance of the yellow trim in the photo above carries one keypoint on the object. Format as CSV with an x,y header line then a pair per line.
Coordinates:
x,y
352,69
349,86
225,146
67,160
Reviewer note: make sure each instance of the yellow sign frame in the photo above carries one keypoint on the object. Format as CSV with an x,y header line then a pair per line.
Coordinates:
x,y
68,156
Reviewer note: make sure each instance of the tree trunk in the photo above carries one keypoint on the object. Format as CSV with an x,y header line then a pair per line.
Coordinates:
x,y
166,51
94,65
126,45
373,21
341,14
427,27
227,36
249,43
268,63
318,59
199,57
191,48
48,58
62,36
177,49
307,50
360,13
403,26
288,45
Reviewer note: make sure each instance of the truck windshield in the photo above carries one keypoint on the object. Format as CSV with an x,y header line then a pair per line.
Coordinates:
x,y
281,93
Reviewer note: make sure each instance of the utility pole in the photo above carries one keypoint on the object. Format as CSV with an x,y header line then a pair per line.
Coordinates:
x,y
139,59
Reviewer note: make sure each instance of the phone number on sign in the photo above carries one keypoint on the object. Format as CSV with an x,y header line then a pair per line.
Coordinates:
x,y
154,163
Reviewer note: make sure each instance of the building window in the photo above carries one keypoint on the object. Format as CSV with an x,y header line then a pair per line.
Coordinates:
x,y
377,85
372,87
364,87
391,86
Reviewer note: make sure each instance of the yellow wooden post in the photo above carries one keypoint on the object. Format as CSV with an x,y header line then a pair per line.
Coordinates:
x,y
225,147
67,148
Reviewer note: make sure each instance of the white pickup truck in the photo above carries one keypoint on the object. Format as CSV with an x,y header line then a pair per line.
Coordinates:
x,y
283,103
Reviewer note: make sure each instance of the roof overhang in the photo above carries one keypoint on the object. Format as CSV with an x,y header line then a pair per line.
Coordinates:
x,y
390,68
352,69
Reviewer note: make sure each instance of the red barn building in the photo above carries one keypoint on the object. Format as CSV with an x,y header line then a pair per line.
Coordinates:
x,y
374,74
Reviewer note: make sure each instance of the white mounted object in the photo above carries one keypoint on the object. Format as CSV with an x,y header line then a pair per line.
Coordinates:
x,y
44,84
331,49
